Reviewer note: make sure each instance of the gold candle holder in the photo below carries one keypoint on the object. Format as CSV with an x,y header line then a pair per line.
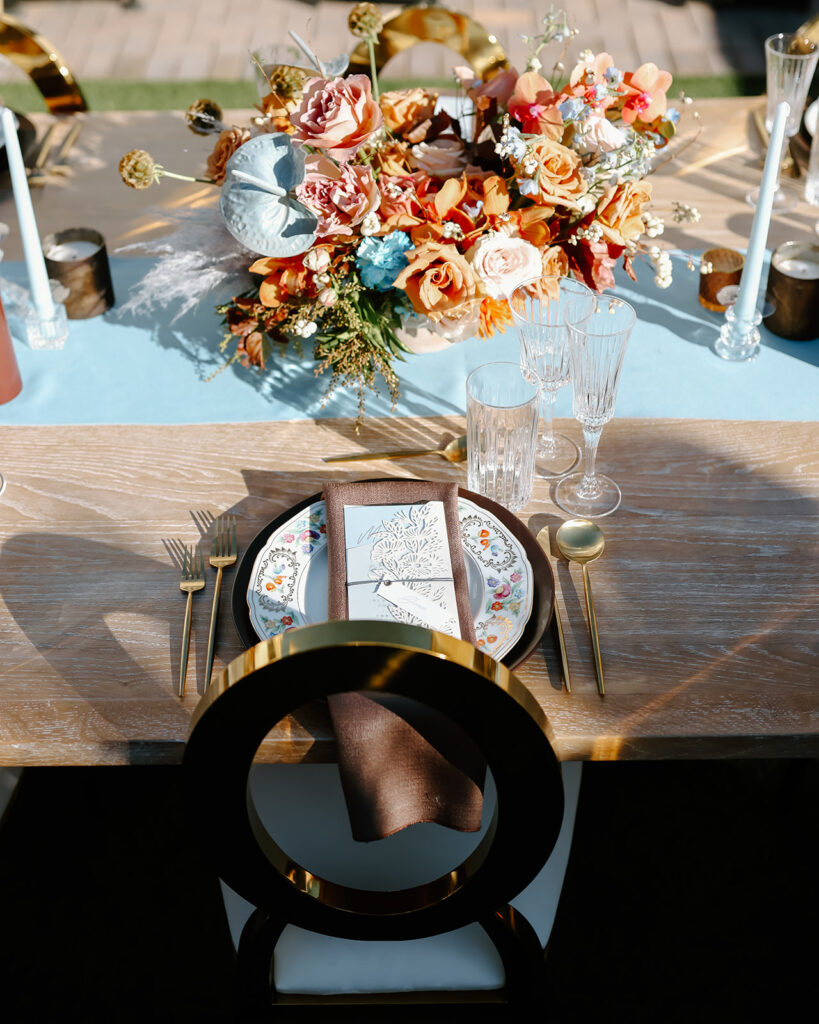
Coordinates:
x,y
793,285
77,258
726,270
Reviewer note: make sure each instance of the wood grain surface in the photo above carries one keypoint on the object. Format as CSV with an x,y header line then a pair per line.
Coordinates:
x,y
707,593
711,164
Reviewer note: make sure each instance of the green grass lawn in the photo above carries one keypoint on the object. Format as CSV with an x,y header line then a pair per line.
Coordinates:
x,y
112,94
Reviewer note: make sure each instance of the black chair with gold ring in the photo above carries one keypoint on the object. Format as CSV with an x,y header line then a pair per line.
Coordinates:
x,y
324,931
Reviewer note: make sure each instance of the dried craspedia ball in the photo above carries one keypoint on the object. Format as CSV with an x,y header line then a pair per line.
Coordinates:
x,y
365,21
137,169
204,117
287,81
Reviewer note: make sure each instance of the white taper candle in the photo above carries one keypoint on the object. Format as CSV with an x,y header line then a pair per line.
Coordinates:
x,y
752,271
32,250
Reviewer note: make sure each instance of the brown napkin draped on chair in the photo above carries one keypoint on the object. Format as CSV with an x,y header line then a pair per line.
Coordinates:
x,y
400,762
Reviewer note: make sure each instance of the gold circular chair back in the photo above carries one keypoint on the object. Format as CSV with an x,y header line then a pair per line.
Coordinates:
x,y
36,56
275,678
428,23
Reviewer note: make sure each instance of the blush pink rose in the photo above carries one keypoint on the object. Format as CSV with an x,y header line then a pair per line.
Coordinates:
x,y
337,115
340,196
503,263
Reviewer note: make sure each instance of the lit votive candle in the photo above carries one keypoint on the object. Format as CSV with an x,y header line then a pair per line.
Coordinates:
x,y
793,285
77,258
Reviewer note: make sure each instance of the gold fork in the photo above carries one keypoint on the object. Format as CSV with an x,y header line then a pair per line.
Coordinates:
x,y
193,579
222,555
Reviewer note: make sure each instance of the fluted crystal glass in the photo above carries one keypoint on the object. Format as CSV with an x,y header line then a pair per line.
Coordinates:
x,y
789,68
597,345
541,320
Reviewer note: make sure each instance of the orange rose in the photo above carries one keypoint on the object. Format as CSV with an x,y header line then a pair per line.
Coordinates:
x,y
403,109
559,178
438,280
393,159
620,209
226,145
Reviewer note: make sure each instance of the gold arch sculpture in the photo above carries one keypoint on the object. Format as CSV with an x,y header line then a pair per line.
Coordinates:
x,y
428,23
43,64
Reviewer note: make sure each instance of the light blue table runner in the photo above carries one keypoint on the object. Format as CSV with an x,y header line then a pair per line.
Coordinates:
x,y
122,369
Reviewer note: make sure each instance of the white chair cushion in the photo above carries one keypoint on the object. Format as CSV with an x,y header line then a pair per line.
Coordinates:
x,y
306,804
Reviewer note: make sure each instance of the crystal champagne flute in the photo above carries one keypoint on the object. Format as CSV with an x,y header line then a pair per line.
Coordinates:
x,y
597,345
541,320
789,65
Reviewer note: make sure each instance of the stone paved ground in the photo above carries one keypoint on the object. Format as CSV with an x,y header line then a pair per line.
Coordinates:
x,y
185,39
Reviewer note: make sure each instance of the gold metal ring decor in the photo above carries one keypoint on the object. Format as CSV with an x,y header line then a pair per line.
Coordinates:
x,y
385,222
488,702
429,23
40,60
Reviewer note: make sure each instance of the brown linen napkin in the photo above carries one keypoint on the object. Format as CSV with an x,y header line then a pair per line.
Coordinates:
x,y
400,762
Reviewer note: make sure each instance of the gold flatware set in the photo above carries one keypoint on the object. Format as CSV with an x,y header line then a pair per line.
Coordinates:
x,y
224,553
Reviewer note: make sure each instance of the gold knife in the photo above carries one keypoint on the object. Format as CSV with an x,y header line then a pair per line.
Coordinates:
x,y
545,542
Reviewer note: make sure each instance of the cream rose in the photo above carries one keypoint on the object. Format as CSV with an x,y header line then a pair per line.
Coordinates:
x,y
444,158
599,136
503,263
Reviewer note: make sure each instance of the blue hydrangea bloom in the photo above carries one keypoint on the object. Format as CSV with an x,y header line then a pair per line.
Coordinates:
x,y
381,260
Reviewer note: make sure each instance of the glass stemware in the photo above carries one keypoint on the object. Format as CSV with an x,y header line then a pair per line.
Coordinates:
x,y
597,345
788,77
541,319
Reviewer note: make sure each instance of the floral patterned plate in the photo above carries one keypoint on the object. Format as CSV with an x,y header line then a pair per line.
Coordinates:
x,y
488,557
288,582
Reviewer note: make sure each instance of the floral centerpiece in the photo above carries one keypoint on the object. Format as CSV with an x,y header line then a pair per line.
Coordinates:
x,y
375,218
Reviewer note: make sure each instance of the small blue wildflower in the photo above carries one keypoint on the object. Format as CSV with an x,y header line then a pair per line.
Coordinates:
x,y
672,115
600,92
614,77
527,186
570,108
381,260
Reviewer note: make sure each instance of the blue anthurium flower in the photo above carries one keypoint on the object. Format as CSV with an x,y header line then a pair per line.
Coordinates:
x,y
256,204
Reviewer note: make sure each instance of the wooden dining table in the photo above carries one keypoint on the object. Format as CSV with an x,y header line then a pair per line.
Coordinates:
x,y
707,592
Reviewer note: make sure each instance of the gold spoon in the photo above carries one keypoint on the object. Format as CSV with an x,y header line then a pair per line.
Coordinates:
x,y
455,451
582,541
545,543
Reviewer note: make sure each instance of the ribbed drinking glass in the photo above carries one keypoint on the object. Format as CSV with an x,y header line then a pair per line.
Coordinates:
x,y
597,345
501,433
543,332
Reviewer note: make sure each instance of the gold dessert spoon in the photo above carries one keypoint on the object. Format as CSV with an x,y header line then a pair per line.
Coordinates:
x,y
582,541
455,451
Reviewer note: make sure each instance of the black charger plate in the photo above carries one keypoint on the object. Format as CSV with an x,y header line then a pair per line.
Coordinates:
x,y
543,577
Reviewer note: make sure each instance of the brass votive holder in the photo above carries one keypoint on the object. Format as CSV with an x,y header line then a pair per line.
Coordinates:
x,y
793,284
726,270
77,259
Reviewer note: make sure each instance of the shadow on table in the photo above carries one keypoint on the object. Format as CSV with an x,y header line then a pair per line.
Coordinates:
x,y
677,310
289,380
